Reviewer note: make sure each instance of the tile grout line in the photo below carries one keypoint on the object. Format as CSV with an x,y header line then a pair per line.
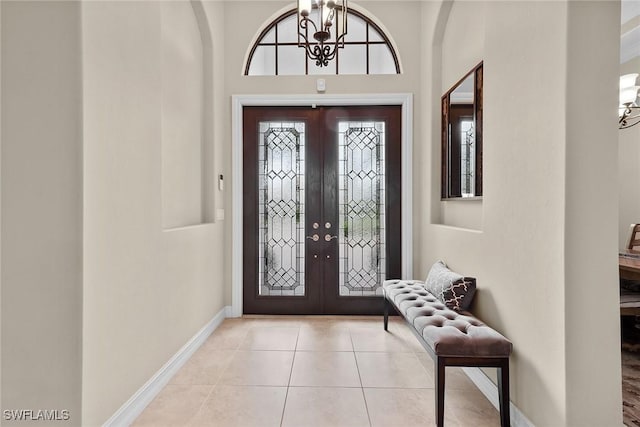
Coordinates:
x,y
286,395
213,386
195,416
364,397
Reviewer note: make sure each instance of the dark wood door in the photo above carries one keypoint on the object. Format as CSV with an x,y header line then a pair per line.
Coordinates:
x,y
322,208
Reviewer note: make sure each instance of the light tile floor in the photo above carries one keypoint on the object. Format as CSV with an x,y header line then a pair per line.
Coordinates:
x,y
313,371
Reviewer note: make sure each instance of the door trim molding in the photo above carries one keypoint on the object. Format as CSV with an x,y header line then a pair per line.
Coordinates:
x,y
405,100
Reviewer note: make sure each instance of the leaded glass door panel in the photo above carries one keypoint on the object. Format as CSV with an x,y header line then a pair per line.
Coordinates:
x,y
361,207
321,208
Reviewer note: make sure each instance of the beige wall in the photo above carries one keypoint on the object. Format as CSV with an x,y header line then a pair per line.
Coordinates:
x,y
591,271
462,50
41,208
147,291
220,148
0,208
629,172
530,253
90,88
182,115
514,238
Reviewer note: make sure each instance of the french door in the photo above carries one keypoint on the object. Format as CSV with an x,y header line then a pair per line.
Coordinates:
x,y
322,208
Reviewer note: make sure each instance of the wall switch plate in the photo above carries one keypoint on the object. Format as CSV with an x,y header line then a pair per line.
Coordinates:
x,y
219,214
321,85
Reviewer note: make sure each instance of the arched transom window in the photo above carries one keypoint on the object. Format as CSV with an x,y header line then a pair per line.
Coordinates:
x,y
367,50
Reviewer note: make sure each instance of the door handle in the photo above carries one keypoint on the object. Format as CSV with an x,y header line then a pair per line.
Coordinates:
x,y
328,237
315,237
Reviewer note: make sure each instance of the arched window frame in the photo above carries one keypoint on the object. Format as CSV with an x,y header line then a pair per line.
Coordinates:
x,y
273,25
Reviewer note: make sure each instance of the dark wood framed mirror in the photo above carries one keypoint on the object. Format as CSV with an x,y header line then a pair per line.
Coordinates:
x,y
462,137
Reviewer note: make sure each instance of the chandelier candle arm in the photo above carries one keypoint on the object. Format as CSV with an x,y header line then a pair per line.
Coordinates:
x,y
628,110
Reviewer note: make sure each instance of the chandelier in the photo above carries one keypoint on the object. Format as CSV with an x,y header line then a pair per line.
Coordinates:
x,y
628,111
322,25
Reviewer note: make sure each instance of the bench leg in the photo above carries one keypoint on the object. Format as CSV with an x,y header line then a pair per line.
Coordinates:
x,y
439,374
386,313
503,391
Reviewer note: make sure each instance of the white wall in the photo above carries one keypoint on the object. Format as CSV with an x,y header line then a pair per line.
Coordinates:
x,y
41,192
525,254
147,291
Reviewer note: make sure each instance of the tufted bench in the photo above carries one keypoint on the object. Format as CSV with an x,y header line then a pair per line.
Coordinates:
x,y
452,338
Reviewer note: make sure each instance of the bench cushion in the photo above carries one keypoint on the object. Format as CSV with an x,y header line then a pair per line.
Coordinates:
x,y
447,332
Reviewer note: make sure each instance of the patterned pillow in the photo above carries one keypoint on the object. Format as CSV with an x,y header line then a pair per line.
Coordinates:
x,y
453,289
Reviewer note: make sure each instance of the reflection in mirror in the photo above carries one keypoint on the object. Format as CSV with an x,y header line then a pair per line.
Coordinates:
x,y
462,137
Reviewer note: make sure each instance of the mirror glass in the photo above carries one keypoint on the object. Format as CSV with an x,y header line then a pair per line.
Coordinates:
x,y
462,137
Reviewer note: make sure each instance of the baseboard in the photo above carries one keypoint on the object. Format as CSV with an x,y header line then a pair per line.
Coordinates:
x,y
136,404
489,389
228,312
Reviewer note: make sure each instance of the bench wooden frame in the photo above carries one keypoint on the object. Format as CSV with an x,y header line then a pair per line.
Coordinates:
x,y
441,362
